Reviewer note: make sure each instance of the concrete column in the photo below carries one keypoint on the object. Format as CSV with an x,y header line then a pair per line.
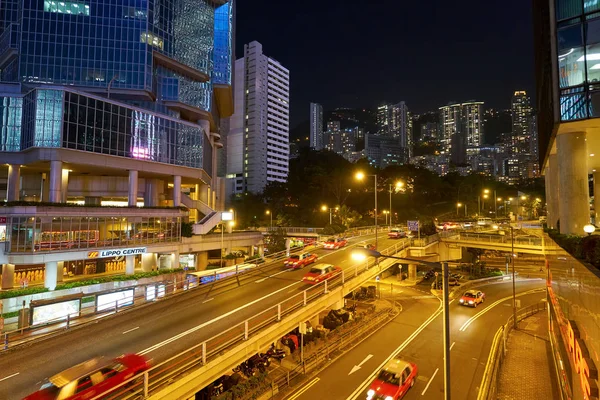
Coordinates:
x,y
574,211
596,197
151,193
55,195
14,183
201,260
60,271
176,191
50,275
553,191
209,196
149,262
129,265
250,251
64,185
202,193
133,188
175,260
214,201
412,272
261,250
8,276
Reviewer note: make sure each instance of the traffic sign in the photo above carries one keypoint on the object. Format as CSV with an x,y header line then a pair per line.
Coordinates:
x,y
413,226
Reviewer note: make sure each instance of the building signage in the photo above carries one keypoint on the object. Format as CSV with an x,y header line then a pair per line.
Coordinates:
x,y
116,252
2,220
584,365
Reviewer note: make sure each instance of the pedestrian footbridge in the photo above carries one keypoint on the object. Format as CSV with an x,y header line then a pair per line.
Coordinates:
x,y
528,244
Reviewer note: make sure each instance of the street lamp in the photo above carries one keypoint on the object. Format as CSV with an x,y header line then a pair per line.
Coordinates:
x,y
360,176
386,212
269,213
497,200
458,205
363,253
512,257
325,208
589,229
397,187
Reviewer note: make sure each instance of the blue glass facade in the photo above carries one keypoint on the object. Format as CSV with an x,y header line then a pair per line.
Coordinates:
x,y
115,48
578,47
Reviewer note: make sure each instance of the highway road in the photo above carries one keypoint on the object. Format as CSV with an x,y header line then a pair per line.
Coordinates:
x,y
163,329
416,335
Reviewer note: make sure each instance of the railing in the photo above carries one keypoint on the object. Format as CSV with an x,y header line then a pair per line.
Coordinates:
x,y
492,238
199,355
489,383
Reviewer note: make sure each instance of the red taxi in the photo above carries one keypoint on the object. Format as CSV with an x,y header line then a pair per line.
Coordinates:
x,y
335,243
91,378
320,272
396,234
472,298
393,381
300,260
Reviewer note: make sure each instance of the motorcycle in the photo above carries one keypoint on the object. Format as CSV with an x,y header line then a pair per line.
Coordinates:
x,y
277,354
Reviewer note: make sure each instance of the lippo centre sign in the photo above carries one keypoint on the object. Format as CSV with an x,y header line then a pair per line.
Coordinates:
x,y
116,252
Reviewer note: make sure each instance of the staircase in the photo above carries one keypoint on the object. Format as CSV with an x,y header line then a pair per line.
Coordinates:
x,y
211,217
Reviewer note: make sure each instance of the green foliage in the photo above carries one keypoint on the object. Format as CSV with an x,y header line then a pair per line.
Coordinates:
x,y
428,229
276,241
254,257
215,265
571,243
187,229
231,256
116,278
90,299
10,314
590,247
21,292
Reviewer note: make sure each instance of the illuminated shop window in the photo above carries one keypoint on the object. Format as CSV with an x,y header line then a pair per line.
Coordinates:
x,y
147,37
67,7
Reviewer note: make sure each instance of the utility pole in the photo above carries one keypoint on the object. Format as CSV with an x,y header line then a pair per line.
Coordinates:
x,y
512,255
447,387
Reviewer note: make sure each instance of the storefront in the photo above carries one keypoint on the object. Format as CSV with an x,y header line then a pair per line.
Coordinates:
x,y
187,261
574,326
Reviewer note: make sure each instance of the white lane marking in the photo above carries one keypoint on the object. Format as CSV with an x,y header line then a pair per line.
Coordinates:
x,y
488,308
10,376
363,386
270,276
357,367
207,300
227,314
429,383
304,389
452,345
131,330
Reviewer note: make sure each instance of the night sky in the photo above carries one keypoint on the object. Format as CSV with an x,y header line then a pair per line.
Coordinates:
x,y
350,53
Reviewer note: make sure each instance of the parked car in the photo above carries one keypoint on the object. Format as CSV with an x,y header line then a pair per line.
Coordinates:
x,y
91,378
393,381
300,260
396,234
453,282
335,243
472,298
320,272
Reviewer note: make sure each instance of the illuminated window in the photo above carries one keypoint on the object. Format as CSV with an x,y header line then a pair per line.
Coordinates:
x,y
66,7
147,37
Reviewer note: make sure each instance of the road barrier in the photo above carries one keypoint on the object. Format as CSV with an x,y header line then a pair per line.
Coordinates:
x,y
217,347
489,383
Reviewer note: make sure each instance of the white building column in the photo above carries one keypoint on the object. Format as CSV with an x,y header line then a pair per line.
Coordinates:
x,y
55,182
8,276
149,262
596,197
176,191
14,183
175,260
133,188
574,209
64,185
51,275
151,193
129,265
553,191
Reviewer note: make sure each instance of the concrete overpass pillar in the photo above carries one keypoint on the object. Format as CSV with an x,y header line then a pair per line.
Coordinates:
x,y
337,305
8,276
201,260
314,321
14,183
412,272
552,191
573,181
261,250
129,265
50,275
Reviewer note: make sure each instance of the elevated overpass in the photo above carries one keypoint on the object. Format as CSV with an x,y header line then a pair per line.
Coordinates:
x,y
529,244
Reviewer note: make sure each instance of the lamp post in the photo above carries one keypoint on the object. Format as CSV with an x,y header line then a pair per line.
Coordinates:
x,y
458,205
512,257
360,176
362,253
497,200
397,187
269,213
325,208
589,229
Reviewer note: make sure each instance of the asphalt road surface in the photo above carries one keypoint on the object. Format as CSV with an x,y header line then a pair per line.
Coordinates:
x,y
193,317
416,335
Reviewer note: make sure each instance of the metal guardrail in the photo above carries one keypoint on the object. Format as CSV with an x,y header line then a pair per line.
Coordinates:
x,y
166,372
492,238
488,389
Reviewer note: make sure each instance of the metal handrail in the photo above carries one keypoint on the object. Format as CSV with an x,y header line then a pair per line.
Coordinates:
x,y
208,349
489,381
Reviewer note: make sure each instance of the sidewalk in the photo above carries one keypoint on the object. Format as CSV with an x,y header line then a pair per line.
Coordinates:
x,y
527,372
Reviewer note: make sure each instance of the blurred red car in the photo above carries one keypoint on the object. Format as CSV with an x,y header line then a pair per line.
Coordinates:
x,y
91,378
300,260
320,273
472,298
393,381
335,243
